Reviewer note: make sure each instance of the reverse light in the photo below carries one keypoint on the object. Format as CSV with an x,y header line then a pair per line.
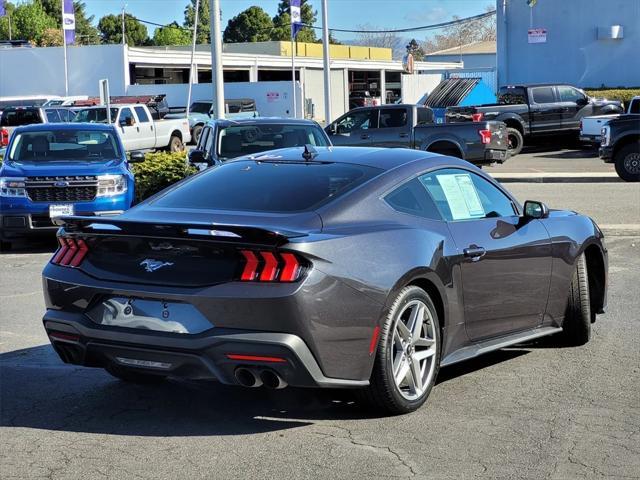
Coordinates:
x,y
110,185
267,266
70,253
12,187
485,135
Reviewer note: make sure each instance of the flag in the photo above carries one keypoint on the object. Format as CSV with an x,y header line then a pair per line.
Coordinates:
x,y
296,17
68,21
532,3
3,12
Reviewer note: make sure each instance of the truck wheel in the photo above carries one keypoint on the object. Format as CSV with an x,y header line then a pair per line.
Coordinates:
x,y
515,141
195,136
627,162
175,144
576,328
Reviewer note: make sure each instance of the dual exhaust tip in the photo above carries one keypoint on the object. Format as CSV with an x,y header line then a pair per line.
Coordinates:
x,y
253,378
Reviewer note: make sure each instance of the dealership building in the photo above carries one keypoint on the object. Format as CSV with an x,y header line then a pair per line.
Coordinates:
x,y
588,43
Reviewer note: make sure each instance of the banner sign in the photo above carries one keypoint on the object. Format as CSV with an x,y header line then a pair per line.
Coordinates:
x,y
296,17
3,12
68,21
537,35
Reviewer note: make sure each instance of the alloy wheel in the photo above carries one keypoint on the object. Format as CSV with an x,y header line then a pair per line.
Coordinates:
x,y
632,163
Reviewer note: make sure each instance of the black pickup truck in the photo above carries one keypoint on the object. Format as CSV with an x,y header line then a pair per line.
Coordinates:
x,y
536,110
412,126
621,145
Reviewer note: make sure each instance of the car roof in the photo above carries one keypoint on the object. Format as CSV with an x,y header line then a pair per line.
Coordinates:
x,y
44,127
382,158
226,122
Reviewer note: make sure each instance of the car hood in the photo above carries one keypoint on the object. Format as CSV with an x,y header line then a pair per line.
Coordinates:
x,y
601,102
13,169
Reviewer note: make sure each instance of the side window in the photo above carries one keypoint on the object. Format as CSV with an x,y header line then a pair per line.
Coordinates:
x,y
570,94
543,95
413,199
52,116
64,115
203,138
393,117
125,113
359,120
208,142
425,116
142,114
635,106
463,195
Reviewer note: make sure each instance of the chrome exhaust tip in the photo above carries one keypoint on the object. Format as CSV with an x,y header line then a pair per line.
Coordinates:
x,y
247,378
272,380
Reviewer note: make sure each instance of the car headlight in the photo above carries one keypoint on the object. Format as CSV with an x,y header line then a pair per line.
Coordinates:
x,y
12,187
605,136
110,185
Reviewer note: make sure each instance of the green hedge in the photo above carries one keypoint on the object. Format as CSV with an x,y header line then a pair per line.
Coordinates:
x,y
158,171
623,94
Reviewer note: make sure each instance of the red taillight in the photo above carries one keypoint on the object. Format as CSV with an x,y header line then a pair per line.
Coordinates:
x,y
477,117
4,137
267,266
485,135
255,358
64,336
71,252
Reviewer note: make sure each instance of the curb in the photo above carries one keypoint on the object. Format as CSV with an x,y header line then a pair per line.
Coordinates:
x,y
622,230
561,177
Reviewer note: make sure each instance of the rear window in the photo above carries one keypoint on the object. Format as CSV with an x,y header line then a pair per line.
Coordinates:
x,y
512,96
268,186
17,118
543,95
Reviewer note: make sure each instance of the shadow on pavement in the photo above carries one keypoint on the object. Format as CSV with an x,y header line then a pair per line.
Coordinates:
x,y
40,245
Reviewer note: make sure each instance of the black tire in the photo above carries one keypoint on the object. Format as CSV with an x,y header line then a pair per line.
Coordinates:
x,y
576,328
515,141
627,161
382,395
195,136
175,144
131,375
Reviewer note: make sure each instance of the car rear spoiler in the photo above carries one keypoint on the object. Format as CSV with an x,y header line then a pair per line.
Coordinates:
x,y
261,235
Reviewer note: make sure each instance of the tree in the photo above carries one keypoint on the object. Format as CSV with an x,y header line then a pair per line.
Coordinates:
x,y
204,19
483,29
51,37
172,34
282,22
416,50
86,33
110,27
4,21
29,22
252,25
380,39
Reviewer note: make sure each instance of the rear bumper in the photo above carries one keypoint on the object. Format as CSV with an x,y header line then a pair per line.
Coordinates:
x,y
200,357
22,225
497,156
591,139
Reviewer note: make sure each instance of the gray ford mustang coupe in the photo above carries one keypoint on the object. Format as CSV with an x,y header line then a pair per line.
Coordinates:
x,y
341,267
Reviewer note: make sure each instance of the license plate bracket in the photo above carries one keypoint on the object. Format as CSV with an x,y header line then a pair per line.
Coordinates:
x,y
61,210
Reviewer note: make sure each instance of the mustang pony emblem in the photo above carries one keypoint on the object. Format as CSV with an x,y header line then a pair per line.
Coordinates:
x,y
151,265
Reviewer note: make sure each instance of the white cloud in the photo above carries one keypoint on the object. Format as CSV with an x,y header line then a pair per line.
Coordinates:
x,y
431,15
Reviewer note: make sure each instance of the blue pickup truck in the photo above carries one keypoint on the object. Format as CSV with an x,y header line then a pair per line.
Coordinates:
x,y
52,170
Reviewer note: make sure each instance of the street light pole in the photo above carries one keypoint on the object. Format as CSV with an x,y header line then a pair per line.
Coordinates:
x,y
216,60
123,37
193,52
327,61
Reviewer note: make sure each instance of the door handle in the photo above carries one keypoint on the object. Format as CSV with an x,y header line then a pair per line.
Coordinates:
x,y
404,134
474,252
138,129
364,136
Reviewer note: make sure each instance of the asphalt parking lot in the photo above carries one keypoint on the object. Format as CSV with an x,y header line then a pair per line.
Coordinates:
x,y
532,411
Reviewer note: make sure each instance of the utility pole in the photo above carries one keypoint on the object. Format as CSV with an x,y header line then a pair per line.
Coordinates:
x,y
123,32
216,60
193,52
327,63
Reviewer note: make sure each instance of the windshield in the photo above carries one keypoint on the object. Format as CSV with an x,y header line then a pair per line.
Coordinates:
x,y
200,107
19,117
64,145
95,115
235,141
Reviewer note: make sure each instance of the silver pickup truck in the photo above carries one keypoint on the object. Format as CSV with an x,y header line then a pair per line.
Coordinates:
x,y
138,129
591,127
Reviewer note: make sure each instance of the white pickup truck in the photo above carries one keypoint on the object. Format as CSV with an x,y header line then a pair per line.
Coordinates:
x,y
138,129
591,127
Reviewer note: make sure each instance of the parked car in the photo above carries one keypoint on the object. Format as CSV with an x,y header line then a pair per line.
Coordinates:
x,y
591,127
138,129
51,170
223,140
412,126
329,267
621,146
200,113
536,110
14,117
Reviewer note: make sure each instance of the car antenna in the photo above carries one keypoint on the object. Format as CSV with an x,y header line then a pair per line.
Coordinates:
x,y
309,152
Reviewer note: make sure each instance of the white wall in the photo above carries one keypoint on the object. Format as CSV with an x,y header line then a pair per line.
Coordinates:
x,y
314,89
273,99
37,71
415,86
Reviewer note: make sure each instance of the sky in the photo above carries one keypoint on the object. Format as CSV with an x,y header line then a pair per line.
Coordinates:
x,y
347,14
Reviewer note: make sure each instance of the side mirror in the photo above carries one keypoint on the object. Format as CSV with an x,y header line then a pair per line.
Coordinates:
x,y
196,156
137,157
534,209
331,129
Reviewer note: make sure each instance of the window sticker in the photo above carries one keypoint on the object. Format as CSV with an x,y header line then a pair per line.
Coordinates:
x,y
461,195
